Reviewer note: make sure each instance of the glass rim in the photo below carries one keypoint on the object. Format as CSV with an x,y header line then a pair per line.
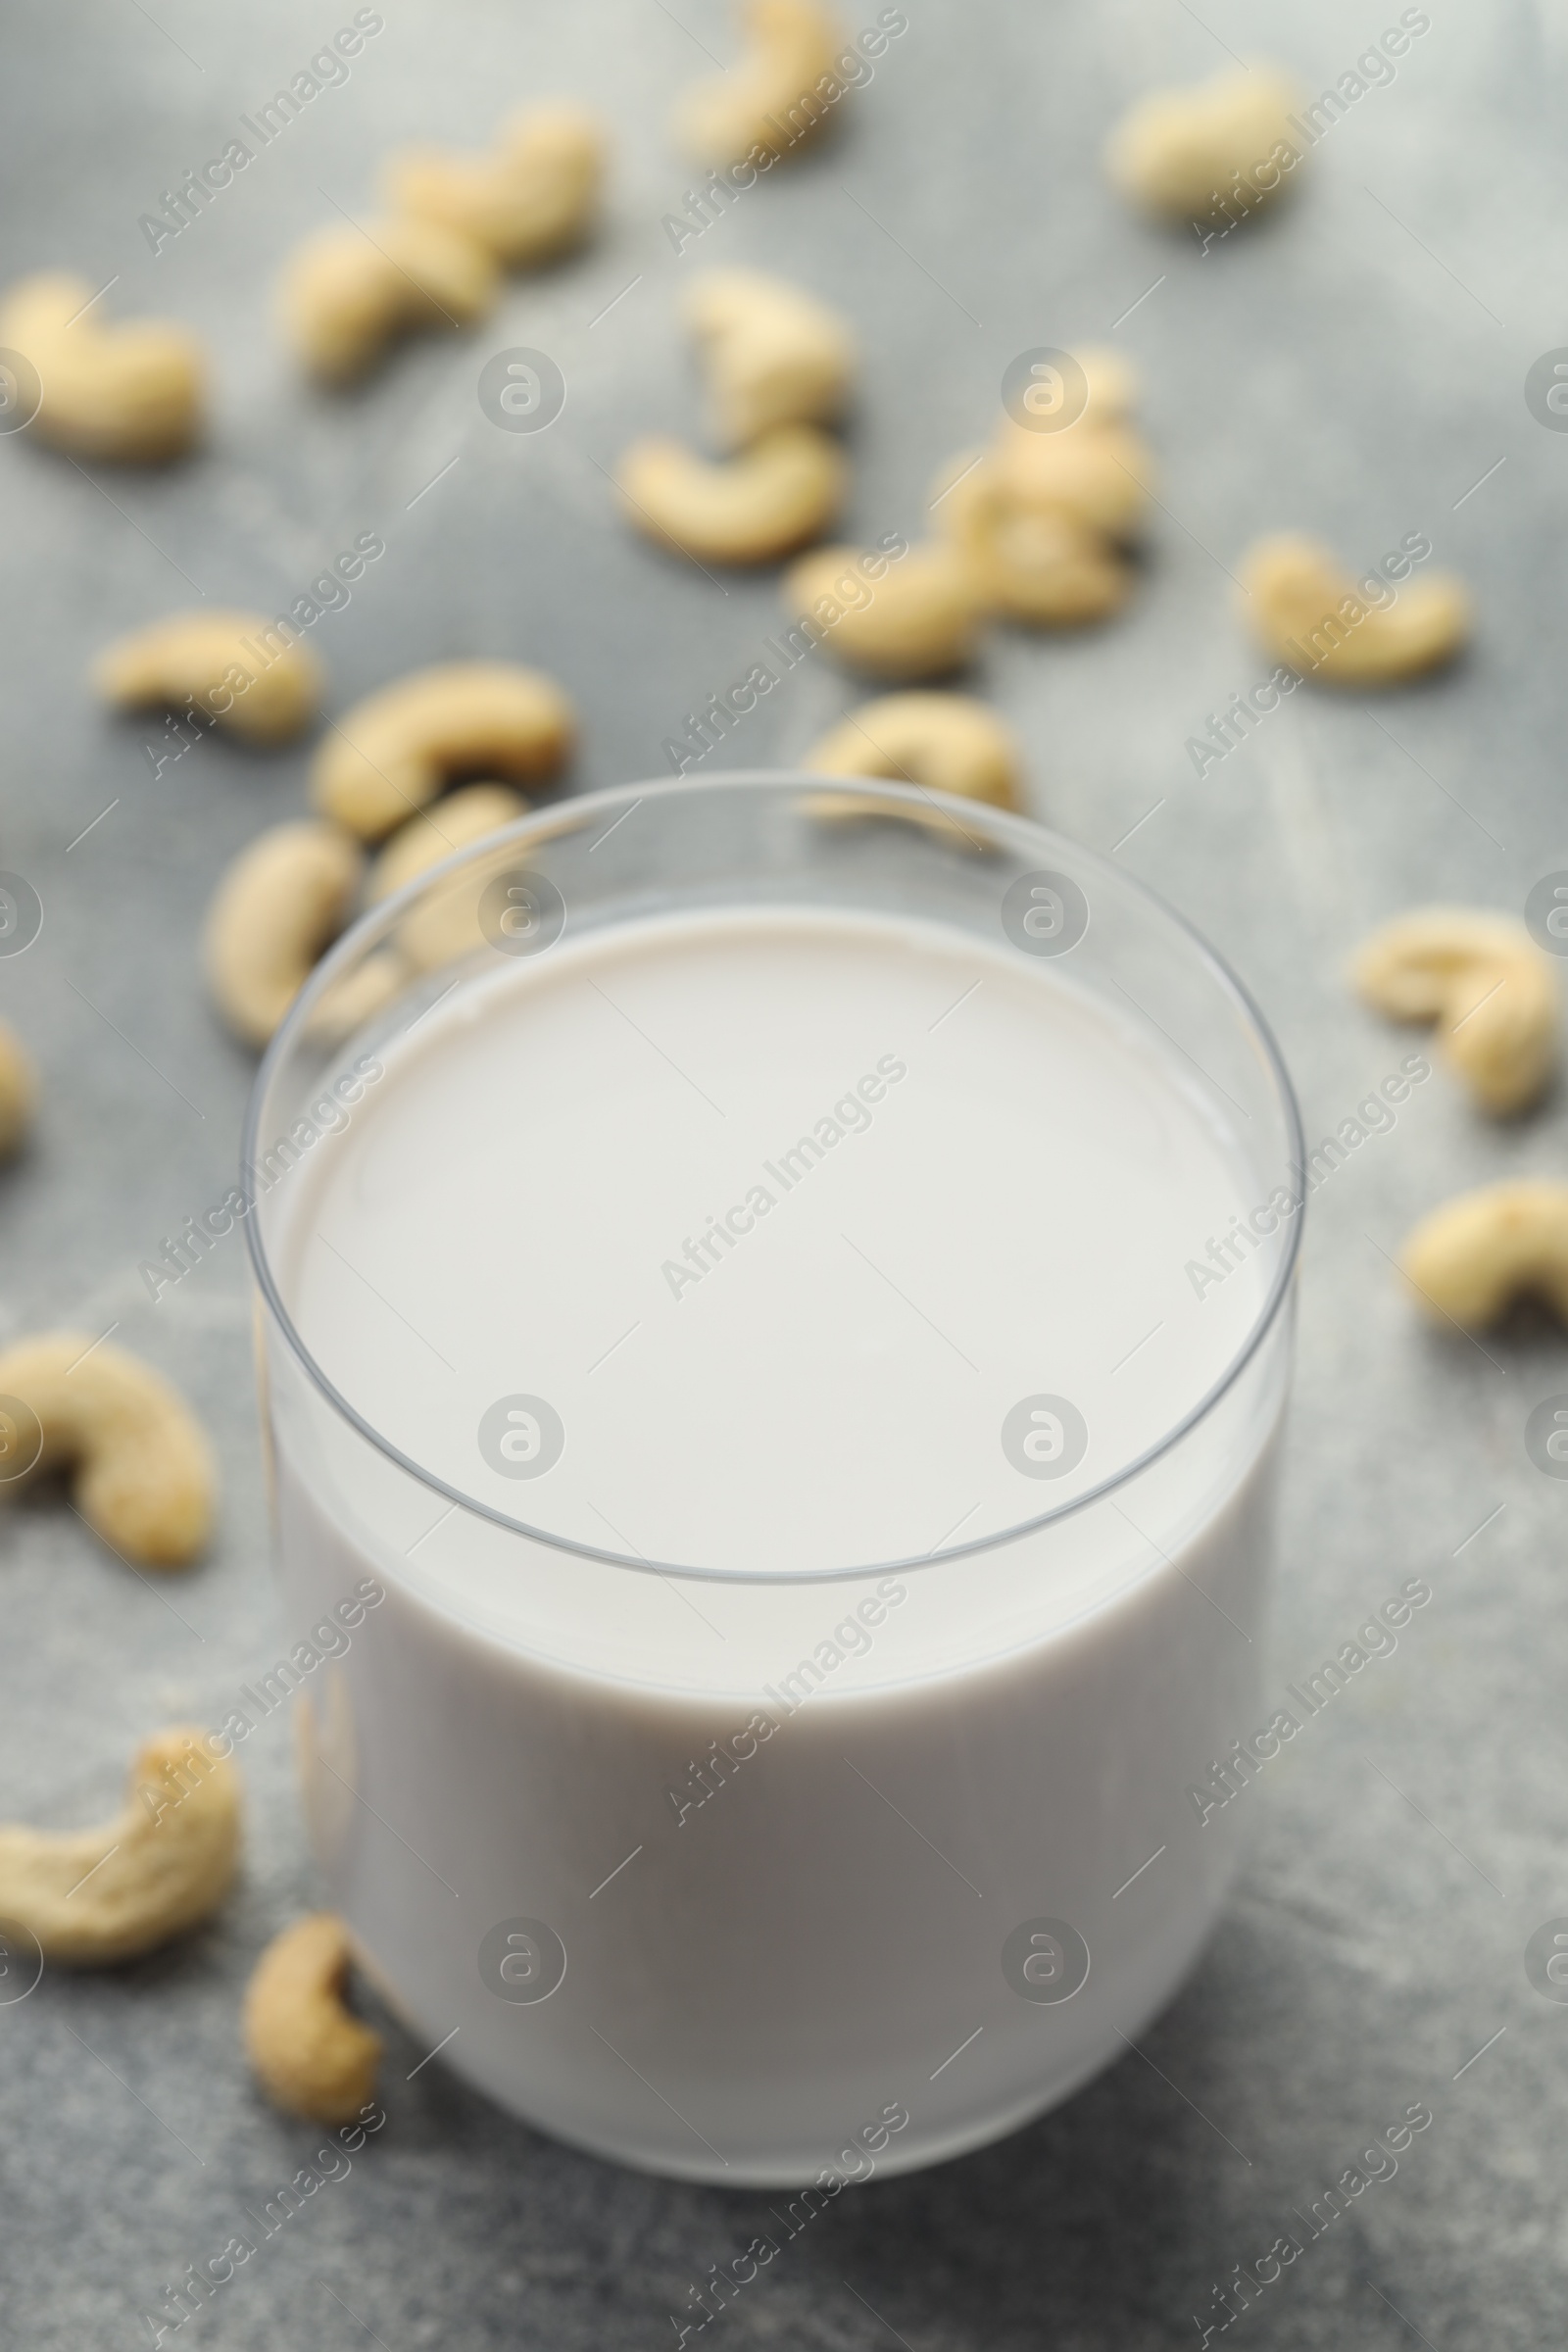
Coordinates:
x,y
572,814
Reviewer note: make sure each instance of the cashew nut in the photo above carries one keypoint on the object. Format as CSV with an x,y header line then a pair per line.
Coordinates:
x,y
19,1090
95,1896
946,742
919,620
444,923
531,200
1488,986
395,751
215,662
1110,383
281,902
1042,516
1310,615
356,997
771,499
1033,560
144,1476
132,393
452,824
1473,1256
347,292
311,2053
774,354
771,99
1098,473
1178,152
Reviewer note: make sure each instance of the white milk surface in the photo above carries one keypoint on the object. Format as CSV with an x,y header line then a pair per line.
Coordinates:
x,y
780,1215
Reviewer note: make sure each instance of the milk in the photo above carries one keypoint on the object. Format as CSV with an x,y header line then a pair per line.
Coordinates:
x,y
755,1292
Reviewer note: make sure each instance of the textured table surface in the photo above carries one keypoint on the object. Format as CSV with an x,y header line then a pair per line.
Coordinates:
x,y
1354,367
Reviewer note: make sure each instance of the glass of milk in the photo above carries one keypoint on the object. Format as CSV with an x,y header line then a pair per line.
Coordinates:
x,y
775,1312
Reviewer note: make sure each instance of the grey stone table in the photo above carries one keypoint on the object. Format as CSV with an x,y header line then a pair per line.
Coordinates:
x,y
1354,367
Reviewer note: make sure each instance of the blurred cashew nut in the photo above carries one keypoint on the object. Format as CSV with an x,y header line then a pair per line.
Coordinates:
x,y
1486,984
347,293
277,907
771,499
1098,473
1110,383
462,817
1178,152
443,924
143,1476
1042,517
219,662
354,997
919,619
945,742
1473,1256
1031,561
310,2053
774,354
19,1090
1311,616
391,754
531,199
96,1896
770,100
132,393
